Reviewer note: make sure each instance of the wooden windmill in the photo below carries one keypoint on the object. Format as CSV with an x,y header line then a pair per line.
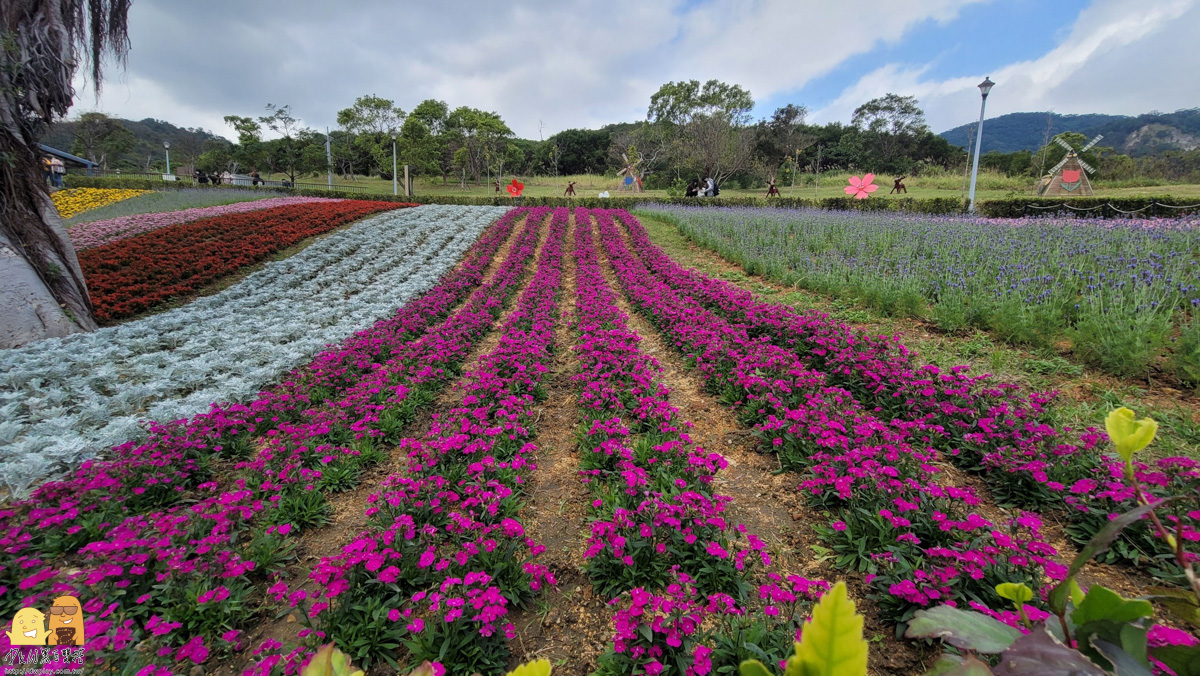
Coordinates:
x,y
1069,176
628,176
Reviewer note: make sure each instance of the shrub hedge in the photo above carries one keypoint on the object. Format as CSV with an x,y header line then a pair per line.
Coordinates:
x,y
1013,207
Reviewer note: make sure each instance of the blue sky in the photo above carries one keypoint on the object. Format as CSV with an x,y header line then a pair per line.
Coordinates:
x,y
547,65
982,37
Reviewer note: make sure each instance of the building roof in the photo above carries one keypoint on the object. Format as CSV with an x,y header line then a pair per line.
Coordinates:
x,y
65,155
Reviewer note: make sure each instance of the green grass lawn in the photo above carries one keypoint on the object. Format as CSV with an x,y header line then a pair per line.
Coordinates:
x,y
990,186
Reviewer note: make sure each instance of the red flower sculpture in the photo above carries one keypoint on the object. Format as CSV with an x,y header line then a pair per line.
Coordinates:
x,y
1070,175
515,188
861,188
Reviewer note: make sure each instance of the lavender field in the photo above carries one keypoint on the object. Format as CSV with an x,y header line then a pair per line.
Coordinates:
x,y
1124,293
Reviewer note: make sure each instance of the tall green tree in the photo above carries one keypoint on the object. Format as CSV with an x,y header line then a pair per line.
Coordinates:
x,y
100,138
891,126
294,152
706,128
373,120
42,290
479,135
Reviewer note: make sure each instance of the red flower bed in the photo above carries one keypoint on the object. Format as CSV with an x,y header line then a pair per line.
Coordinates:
x,y
135,274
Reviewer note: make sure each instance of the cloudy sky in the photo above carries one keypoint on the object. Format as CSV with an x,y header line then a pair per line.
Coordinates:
x,y
548,65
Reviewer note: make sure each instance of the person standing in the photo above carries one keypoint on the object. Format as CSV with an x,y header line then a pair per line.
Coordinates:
x,y
59,169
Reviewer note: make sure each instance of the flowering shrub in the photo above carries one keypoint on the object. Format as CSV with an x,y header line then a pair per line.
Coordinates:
x,y
95,233
154,518
135,274
65,400
895,517
981,425
73,201
445,559
661,549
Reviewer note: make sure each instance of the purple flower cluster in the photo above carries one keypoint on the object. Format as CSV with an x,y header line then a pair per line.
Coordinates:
x,y
95,233
899,517
445,555
155,535
660,545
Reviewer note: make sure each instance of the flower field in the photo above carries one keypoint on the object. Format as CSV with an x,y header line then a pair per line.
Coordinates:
x,y
137,273
1124,293
73,201
386,489
95,233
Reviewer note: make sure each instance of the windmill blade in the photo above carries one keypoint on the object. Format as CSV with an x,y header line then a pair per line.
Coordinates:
x,y
1091,143
1087,166
1059,165
1064,144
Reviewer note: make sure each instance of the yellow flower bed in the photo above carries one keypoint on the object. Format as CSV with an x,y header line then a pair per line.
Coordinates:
x,y
74,201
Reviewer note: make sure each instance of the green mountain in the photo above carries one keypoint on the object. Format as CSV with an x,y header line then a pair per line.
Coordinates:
x,y
1147,134
146,148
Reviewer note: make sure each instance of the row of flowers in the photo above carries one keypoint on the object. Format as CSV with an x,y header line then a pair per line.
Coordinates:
x,y
661,548
918,536
169,550
446,556
95,233
73,201
136,274
62,401
993,429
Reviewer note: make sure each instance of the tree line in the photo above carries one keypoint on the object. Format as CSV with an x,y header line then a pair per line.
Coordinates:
x,y
691,130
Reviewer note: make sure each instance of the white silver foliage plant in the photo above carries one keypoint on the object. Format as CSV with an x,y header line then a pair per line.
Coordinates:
x,y
65,400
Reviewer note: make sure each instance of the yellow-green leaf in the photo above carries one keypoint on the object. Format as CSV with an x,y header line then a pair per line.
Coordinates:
x,y
1127,434
753,668
831,642
538,668
321,663
1076,593
1015,592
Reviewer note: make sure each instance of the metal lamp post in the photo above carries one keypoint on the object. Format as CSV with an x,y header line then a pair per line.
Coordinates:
x,y
395,190
167,150
984,88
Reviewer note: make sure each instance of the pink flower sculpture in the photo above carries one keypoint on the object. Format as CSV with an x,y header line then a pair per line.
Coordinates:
x,y
861,188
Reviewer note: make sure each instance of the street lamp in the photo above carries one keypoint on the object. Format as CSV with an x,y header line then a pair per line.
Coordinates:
x,y
395,190
167,150
984,88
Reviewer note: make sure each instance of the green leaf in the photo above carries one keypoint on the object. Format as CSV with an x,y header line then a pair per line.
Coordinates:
x,y
963,629
958,665
1183,660
1040,654
1015,592
1123,664
1127,434
1099,544
539,668
753,668
831,642
1102,603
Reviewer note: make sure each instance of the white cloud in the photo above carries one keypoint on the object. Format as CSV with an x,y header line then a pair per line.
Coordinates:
x,y
578,64
1119,57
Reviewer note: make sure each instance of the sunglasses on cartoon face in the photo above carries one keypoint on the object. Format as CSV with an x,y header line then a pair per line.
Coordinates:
x,y
61,610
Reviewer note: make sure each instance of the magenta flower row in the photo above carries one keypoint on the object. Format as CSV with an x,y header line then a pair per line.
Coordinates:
x,y
154,515
654,509
446,538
